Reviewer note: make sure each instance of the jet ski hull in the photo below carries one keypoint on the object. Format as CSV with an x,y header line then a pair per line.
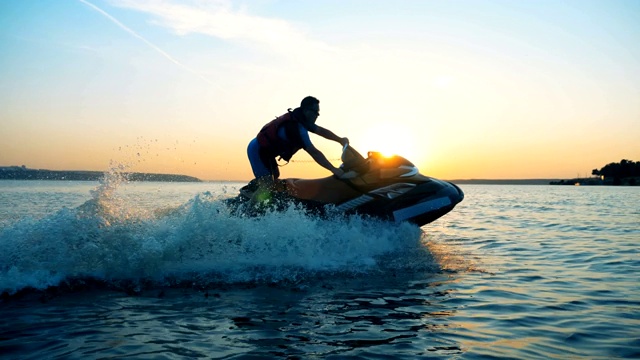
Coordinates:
x,y
424,203
390,189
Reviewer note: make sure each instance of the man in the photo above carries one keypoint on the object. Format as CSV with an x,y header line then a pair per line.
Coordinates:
x,y
287,134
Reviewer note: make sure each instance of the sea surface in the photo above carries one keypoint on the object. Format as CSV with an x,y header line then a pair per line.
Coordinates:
x,y
111,269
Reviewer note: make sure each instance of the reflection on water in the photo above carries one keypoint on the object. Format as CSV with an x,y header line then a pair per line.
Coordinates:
x,y
363,317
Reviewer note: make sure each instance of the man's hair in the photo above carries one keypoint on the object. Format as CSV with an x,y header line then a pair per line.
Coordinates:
x,y
308,102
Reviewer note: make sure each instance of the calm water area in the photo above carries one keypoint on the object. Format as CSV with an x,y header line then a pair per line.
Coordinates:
x,y
165,271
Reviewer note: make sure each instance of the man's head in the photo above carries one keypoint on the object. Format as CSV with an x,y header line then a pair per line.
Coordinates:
x,y
310,108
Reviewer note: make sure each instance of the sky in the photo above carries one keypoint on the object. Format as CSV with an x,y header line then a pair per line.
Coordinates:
x,y
465,89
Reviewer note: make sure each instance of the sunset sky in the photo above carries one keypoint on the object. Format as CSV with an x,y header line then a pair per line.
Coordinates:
x,y
463,88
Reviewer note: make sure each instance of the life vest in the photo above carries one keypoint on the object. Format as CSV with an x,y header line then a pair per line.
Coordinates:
x,y
271,143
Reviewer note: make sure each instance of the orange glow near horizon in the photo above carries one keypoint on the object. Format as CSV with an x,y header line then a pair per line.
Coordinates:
x,y
528,93
221,159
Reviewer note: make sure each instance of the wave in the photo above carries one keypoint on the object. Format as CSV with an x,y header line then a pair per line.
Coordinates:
x,y
200,242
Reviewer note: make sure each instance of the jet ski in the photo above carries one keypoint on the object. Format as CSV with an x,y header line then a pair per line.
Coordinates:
x,y
388,188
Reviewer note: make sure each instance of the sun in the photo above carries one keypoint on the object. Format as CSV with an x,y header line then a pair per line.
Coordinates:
x,y
389,139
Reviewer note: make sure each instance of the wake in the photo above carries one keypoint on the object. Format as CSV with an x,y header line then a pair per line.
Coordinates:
x,y
199,243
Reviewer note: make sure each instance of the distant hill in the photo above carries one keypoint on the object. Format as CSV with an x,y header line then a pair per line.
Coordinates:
x,y
23,173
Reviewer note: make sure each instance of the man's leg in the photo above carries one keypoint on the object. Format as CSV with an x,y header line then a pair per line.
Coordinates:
x,y
259,167
265,169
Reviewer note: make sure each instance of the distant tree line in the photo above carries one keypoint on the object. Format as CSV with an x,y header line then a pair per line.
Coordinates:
x,y
619,171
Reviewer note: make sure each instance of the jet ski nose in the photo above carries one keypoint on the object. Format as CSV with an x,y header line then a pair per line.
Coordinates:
x,y
457,198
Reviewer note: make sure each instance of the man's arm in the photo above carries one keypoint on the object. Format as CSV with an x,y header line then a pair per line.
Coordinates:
x,y
328,134
322,160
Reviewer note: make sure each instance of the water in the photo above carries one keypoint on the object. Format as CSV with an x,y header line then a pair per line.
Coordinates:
x,y
164,271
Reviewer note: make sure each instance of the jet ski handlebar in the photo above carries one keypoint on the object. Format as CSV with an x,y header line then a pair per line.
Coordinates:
x,y
352,162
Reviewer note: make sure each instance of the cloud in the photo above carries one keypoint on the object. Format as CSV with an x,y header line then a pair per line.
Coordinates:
x,y
150,44
219,19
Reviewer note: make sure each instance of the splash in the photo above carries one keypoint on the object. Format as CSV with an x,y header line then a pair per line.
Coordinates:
x,y
106,204
200,242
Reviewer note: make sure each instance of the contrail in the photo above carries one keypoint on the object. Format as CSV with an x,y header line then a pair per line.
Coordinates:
x,y
150,44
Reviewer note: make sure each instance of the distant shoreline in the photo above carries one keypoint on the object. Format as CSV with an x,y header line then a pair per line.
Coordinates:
x,y
503,181
22,173
631,181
